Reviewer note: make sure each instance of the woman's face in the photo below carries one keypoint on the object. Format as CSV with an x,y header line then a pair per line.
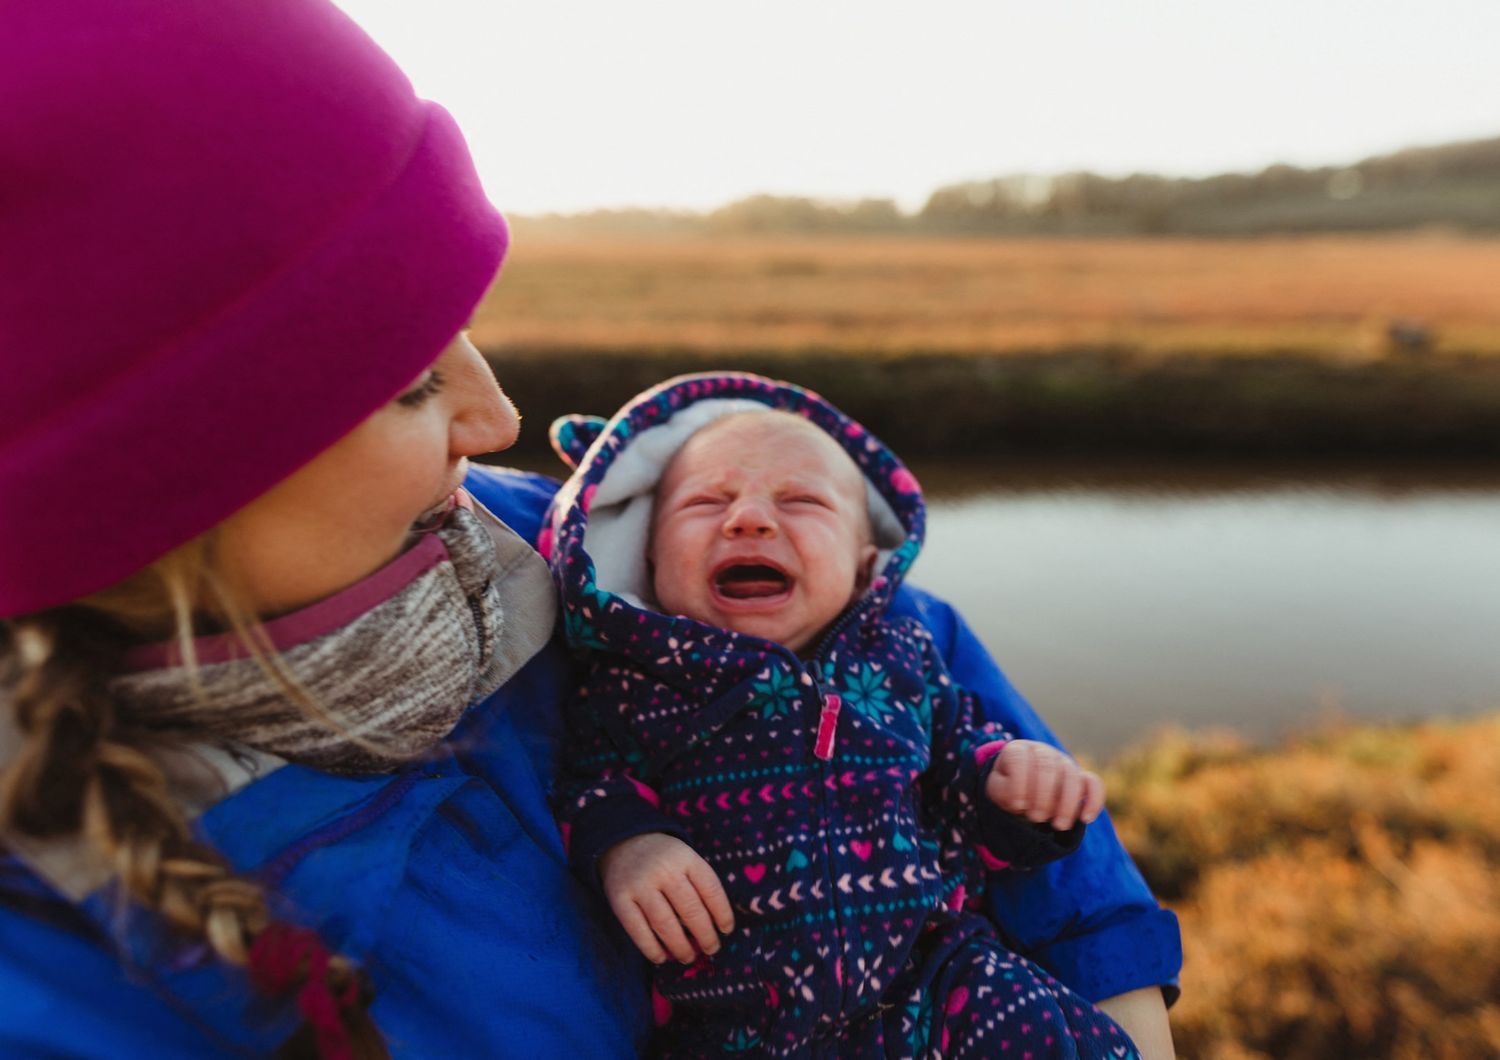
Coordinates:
x,y
350,511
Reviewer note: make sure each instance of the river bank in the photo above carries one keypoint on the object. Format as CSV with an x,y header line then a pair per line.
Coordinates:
x,y
1339,895
1073,401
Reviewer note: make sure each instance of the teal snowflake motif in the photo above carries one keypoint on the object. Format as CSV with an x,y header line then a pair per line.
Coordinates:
x,y
579,621
916,1022
924,711
742,1041
867,692
777,690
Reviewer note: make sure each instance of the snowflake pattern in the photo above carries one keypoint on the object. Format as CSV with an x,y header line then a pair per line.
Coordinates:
x,y
868,691
776,690
801,985
581,619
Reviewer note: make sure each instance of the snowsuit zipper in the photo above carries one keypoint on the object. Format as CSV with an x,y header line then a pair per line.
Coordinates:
x,y
828,705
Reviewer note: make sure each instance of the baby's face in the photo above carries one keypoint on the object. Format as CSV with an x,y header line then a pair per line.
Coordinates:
x,y
760,526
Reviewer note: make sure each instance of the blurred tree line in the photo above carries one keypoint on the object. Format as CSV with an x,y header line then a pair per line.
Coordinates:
x,y
1454,185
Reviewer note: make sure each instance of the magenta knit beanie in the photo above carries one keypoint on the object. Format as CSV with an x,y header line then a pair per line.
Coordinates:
x,y
229,231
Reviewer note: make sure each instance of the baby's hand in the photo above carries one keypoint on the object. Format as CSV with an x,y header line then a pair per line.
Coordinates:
x,y
1040,782
658,885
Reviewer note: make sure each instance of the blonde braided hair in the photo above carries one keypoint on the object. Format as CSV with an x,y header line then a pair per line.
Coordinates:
x,y
83,771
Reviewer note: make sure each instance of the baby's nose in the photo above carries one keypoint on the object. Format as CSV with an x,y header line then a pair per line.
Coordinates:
x,y
749,519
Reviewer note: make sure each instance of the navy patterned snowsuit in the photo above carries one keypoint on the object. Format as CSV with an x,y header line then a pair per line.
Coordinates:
x,y
838,797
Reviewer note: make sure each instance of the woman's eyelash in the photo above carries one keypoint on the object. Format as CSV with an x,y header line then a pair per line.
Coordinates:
x,y
424,390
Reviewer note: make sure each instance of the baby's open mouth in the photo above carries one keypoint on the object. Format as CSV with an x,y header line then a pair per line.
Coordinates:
x,y
751,581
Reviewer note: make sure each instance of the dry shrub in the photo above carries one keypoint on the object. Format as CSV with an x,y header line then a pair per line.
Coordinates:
x,y
1309,953
1339,897
1184,805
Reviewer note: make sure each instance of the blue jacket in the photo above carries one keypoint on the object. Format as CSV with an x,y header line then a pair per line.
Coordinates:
x,y
449,881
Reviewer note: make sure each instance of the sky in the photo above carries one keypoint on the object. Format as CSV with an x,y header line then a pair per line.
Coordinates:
x,y
578,104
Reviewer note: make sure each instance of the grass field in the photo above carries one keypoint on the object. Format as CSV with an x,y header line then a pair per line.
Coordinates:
x,y
1328,296
1339,896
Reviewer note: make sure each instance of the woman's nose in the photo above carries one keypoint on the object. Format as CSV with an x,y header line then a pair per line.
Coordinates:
x,y
749,517
484,420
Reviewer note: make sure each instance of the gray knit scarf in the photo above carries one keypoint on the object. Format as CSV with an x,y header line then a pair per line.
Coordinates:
x,y
393,661
389,683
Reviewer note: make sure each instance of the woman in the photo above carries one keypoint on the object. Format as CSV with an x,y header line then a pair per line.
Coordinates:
x,y
242,805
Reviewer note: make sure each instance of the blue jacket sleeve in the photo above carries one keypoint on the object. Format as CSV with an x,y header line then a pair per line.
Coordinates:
x,y
1088,918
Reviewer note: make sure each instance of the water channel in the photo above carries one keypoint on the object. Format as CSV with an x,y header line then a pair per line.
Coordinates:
x,y
1120,598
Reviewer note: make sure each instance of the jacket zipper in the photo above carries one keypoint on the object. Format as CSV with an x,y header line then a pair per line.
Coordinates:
x,y
477,614
829,705
830,702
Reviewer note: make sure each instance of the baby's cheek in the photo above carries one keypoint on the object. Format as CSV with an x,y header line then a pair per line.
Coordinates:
x,y
677,590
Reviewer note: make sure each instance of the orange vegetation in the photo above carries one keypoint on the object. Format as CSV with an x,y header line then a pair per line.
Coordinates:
x,y
1332,296
1339,897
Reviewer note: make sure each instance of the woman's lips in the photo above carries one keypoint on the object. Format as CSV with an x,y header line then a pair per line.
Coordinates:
x,y
437,515
451,498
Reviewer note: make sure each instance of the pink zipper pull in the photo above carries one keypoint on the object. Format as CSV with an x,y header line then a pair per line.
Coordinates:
x,y
828,722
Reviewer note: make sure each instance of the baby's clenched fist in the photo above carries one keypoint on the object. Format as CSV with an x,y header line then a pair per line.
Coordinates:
x,y
1037,781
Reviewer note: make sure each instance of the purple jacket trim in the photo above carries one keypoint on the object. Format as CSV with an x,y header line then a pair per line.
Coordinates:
x,y
310,622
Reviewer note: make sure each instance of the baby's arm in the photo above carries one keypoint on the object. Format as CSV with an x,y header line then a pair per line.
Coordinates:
x,y
658,886
1004,796
618,837
603,796
1089,919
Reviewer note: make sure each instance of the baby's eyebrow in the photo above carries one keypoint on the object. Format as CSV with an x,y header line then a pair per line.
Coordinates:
x,y
679,497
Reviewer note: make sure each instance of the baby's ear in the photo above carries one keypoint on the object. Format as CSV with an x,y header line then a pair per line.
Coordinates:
x,y
868,554
572,435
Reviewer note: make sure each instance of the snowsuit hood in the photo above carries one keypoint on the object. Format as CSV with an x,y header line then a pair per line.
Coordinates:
x,y
596,532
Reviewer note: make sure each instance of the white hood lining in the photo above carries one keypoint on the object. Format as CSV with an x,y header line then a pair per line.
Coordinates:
x,y
620,516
